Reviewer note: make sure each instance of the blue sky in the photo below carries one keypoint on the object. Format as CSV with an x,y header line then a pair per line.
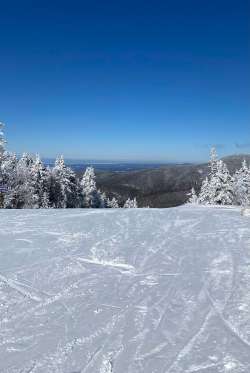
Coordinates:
x,y
132,80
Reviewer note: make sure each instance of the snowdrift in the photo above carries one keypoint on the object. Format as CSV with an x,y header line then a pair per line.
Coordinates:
x,y
125,290
245,212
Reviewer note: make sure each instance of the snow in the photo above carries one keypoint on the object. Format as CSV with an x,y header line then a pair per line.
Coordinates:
x,y
125,290
245,211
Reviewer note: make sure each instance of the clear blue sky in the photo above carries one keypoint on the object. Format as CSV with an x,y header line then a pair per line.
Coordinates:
x,y
138,80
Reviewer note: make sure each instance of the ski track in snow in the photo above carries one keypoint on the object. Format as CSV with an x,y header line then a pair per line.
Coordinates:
x,y
125,291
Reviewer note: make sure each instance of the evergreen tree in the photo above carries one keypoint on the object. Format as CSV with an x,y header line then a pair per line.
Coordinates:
x,y
221,186
2,141
2,150
205,196
63,186
130,204
17,177
112,203
91,197
213,162
242,185
193,197
39,175
24,188
9,178
103,200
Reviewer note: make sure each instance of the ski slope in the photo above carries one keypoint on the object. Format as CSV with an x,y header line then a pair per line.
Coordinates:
x,y
125,290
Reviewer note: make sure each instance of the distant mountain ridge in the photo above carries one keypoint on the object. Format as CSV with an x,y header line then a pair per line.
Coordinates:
x,y
166,186
109,166
234,161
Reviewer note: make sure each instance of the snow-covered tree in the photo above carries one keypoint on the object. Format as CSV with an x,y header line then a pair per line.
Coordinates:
x,y
213,162
9,178
91,197
219,188
221,185
193,197
2,140
17,177
2,150
242,185
39,178
112,203
205,195
104,199
63,186
24,188
130,203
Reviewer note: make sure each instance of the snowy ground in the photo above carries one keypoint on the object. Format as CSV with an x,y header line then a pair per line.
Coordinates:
x,y
128,290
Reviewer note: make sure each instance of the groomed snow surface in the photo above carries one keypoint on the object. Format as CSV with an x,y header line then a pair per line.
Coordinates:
x,y
125,290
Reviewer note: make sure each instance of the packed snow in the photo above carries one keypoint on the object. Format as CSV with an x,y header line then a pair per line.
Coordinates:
x,y
125,290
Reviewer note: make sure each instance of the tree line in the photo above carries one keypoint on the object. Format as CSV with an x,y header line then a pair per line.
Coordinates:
x,y
31,184
222,188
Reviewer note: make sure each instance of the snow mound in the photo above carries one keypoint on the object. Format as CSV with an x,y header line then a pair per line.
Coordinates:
x,y
125,290
245,212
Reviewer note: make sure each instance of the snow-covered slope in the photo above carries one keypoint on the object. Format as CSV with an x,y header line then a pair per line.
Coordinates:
x,y
125,290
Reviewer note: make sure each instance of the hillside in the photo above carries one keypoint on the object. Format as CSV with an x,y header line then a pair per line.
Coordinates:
x,y
125,291
162,187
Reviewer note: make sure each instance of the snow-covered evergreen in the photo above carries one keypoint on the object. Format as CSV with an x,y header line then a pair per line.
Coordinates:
x,y
193,197
63,186
204,196
91,197
2,149
9,178
2,140
221,188
39,179
242,185
22,191
130,203
112,203
213,162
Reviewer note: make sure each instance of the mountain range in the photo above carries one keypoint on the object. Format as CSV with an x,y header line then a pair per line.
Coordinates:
x,y
165,186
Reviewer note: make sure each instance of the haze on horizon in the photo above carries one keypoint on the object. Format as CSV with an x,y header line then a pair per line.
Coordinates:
x,y
141,80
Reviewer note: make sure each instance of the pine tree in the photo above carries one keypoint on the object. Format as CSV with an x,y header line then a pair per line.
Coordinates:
x,y
103,199
24,188
63,186
2,140
9,178
193,197
130,204
17,177
221,186
242,185
112,203
213,162
39,176
2,150
91,197
205,196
